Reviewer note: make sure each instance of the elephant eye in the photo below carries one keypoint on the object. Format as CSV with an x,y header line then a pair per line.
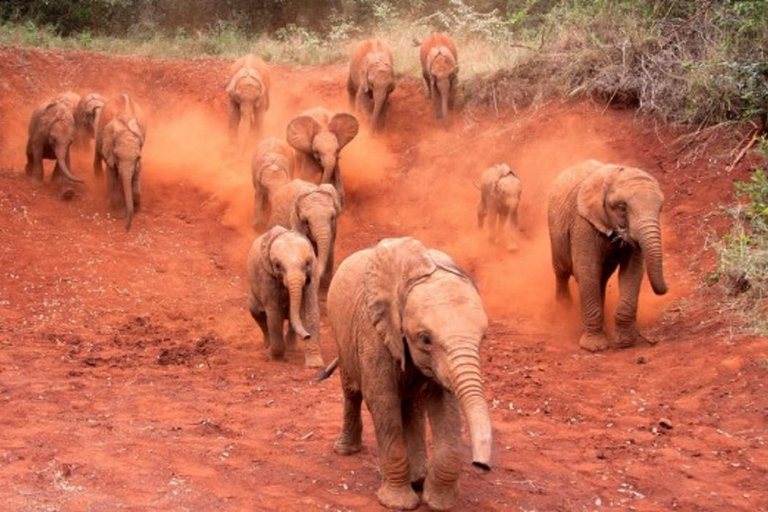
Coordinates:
x,y
424,338
621,206
278,266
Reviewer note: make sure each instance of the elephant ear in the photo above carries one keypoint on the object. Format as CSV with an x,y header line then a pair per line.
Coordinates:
x,y
300,132
330,190
296,222
345,127
267,239
397,264
590,200
446,263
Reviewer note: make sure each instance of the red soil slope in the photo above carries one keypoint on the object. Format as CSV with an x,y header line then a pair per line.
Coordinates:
x,y
132,377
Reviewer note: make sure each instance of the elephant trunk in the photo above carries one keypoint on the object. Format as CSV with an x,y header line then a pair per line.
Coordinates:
x,y
126,178
464,363
323,235
379,98
329,166
61,151
444,86
246,120
295,285
650,243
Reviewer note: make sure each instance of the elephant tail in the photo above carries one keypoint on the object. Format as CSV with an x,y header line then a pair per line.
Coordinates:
x,y
326,372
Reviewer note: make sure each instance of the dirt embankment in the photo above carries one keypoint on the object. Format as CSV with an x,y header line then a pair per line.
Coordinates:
x,y
131,375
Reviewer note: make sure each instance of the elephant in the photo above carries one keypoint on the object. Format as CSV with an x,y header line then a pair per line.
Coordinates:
x,y
500,190
318,135
408,323
248,90
371,80
281,270
119,143
604,216
440,68
51,134
272,166
87,115
311,210
121,105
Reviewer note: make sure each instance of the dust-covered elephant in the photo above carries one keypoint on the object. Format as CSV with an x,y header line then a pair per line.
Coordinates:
x,y
119,142
282,286
248,90
371,80
319,135
602,217
51,134
120,105
311,210
440,69
272,166
500,190
408,324
87,116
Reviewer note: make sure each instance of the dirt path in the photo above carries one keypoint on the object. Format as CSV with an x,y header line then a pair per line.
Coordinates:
x,y
132,377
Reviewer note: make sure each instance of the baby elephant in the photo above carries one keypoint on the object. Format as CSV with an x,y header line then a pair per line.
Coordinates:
x,y
602,217
87,116
248,90
51,134
371,80
500,190
408,324
271,167
312,211
281,270
440,69
119,141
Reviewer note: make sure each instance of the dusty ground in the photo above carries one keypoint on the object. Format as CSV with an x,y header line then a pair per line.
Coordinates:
x,y
132,377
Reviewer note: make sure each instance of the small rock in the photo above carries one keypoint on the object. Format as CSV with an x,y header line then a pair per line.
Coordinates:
x,y
666,423
641,360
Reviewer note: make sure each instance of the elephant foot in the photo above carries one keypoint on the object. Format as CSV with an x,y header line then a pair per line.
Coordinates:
x,y
276,354
401,498
313,361
290,338
594,342
626,339
344,447
440,497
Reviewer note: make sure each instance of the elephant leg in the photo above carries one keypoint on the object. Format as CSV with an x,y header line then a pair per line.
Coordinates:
x,y
630,279
562,291
385,407
441,486
427,82
113,188
350,439
275,323
260,317
513,229
98,170
29,168
290,336
493,222
37,163
591,293
482,211
234,121
415,428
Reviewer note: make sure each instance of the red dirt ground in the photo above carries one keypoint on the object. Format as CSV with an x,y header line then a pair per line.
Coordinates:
x,y
132,377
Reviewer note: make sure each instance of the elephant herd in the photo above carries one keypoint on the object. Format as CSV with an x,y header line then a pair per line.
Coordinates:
x,y
408,322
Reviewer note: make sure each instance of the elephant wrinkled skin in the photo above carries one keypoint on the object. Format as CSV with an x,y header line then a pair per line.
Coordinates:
x,y
371,80
281,270
311,210
272,166
500,190
51,134
120,138
248,91
408,324
440,69
602,217
318,135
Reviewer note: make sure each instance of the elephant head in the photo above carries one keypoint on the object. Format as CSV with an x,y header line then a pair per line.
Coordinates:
x,y
124,154
443,73
428,312
314,216
377,81
306,135
625,204
288,257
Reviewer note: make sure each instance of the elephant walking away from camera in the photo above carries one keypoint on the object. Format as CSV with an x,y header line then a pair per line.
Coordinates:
x,y
371,80
602,217
500,190
282,286
272,166
51,134
248,90
319,135
408,324
119,143
311,210
87,116
440,68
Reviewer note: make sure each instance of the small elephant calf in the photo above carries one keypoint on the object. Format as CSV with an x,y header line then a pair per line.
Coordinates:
x,y
500,190
272,166
87,116
281,273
